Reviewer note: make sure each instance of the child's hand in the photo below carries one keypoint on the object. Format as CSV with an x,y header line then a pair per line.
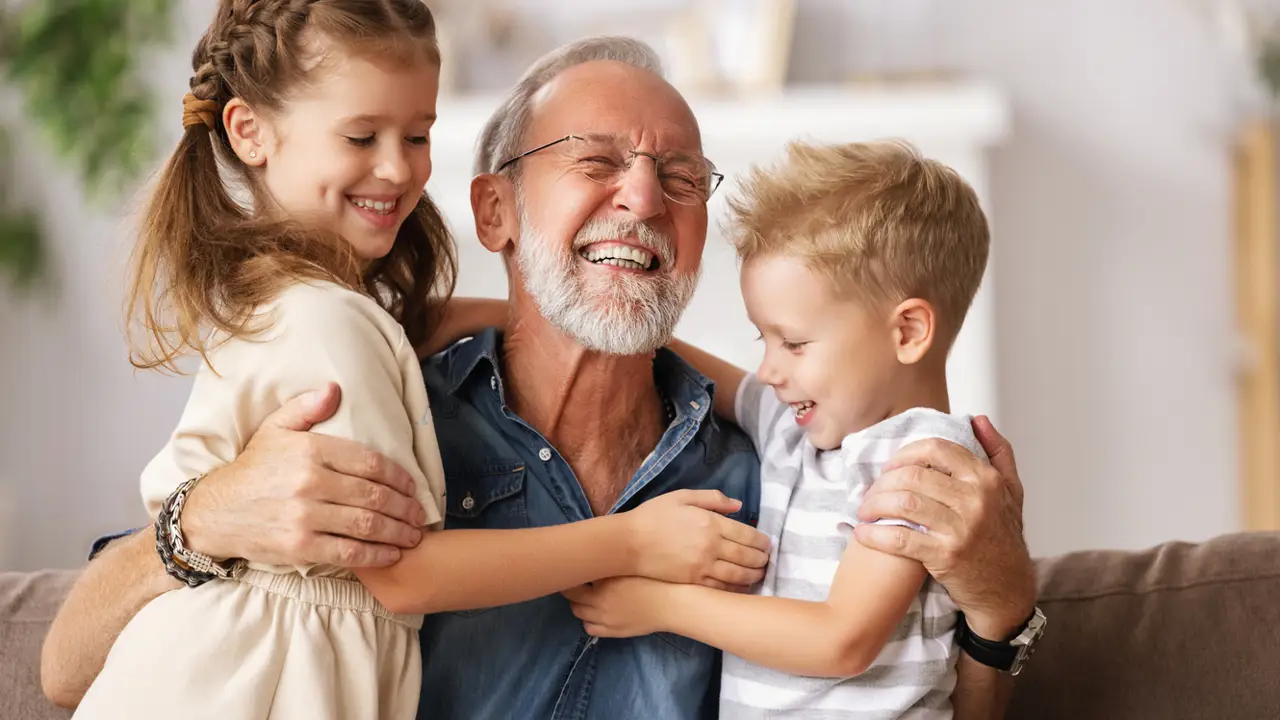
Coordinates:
x,y
619,607
684,537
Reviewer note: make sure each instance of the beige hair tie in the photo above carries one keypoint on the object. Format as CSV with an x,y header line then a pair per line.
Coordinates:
x,y
196,111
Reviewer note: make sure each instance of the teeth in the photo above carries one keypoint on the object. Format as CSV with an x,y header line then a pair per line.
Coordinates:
x,y
616,262
620,256
377,206
802,408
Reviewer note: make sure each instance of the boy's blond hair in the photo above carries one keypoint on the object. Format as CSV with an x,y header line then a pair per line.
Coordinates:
x,y
884,222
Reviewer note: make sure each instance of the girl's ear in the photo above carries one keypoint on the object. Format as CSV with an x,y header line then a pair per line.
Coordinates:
x,y
246,131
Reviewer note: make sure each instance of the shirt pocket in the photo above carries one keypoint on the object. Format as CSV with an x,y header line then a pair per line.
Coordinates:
x,y
489,498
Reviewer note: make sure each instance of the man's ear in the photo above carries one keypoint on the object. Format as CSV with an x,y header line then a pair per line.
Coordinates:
x,y
247,131
914,325
493,206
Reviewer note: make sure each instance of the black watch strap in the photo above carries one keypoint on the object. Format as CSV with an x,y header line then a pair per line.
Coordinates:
x,y
1007,655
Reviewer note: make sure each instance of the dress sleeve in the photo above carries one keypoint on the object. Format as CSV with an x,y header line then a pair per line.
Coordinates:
x,y
316,335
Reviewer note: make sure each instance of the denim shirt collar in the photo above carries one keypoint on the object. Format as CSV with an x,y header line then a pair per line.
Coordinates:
x,y
690,392
460,360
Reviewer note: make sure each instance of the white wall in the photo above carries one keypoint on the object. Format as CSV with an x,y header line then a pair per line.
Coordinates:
x,y
1113,316
1115,312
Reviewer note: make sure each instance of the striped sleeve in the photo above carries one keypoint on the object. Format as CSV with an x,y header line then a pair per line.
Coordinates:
x,y
865,453
758,411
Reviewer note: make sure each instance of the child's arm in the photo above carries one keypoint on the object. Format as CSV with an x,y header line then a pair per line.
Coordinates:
x,y
462,317
727,376
840,637
671,536
322,336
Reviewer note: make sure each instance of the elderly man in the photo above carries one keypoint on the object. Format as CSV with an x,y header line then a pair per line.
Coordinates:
x,y
591,184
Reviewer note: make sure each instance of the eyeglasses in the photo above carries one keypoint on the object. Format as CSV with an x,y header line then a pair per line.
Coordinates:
x,y
687,179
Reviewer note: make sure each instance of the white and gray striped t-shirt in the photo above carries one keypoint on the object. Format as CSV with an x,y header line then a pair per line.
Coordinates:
x,y
808,505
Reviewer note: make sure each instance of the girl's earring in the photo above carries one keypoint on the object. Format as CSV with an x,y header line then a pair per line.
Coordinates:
x,y
253,154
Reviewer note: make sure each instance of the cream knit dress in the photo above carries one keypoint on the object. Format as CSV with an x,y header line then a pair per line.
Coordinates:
x,y
283,642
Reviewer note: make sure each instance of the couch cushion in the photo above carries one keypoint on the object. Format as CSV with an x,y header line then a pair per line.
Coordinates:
x,y
1177,631
28,602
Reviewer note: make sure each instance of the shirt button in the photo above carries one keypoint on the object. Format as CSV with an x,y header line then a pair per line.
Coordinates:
x,y
468,502
545,454
493,383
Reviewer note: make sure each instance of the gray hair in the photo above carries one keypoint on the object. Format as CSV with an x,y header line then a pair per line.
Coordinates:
x,y
506,127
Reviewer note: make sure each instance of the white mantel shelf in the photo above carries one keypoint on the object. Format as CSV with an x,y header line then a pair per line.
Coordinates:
x,y
956,123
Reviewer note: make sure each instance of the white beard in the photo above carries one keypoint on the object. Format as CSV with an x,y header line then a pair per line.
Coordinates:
x,y
632,315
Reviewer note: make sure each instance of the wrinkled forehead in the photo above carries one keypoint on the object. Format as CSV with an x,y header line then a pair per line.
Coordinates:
x,y
613,99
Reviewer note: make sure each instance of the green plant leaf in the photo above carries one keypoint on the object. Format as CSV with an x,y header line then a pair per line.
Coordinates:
x,y
76,64
21,247
1269,65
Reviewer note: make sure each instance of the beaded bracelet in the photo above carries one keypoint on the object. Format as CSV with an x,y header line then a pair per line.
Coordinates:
x,y
188,566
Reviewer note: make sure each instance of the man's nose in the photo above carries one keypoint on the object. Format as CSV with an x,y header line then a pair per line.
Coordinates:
x,y
640,191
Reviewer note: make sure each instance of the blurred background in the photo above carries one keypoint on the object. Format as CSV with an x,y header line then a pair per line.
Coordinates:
x,y
1124,338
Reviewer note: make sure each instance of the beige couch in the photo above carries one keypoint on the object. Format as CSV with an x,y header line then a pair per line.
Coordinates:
x,y
1178,631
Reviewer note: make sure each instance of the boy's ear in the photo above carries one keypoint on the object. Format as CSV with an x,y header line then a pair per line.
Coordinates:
x,y
246,131
914,324
493,206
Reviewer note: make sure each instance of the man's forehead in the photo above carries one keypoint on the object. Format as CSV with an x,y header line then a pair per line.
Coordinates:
x,y
611,99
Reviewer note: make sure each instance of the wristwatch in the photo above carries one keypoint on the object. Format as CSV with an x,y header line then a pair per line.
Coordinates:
x,y
1009,655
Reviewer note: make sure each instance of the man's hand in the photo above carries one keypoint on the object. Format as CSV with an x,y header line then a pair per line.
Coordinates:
x,y
618,607
973,510
684,537
295,497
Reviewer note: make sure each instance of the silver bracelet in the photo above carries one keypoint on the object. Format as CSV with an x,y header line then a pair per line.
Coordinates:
x,y
191,567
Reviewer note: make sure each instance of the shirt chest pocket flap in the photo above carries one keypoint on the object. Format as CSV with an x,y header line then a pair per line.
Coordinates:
x,y
489,497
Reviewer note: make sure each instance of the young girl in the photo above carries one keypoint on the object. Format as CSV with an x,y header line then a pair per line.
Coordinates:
x,y
318,268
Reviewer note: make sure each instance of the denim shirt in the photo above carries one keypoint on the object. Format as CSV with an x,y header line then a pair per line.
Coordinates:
x,y
533,659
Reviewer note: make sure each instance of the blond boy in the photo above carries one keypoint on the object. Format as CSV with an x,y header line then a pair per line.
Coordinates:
x,y
859,263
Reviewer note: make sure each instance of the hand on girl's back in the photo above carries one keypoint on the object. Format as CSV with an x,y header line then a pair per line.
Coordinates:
x,y
294,497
